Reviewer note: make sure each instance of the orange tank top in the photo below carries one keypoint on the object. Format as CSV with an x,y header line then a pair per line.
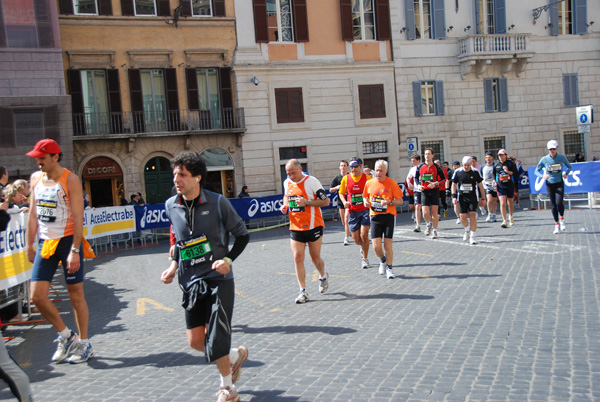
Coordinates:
x,y
302,218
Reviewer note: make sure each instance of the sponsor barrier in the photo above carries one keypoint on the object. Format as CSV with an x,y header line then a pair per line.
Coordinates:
x,y
583,178
107,221
15,267
151,216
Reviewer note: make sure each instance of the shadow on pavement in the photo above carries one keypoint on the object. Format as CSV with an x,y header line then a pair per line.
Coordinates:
x,y
293,329
270,396
391,296
158,360
457,276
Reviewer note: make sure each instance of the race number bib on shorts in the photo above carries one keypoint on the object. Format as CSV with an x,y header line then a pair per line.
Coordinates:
x,y
293,204
195,251
46,210
377,204
356,199
554,168
466,188
504,177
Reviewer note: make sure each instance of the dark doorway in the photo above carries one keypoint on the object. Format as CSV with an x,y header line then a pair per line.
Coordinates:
x,y
158,177
101,193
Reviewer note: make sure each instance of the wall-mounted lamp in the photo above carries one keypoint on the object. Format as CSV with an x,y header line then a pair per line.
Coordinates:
x,y
450,28
254,80
123,65
180,64
467,28
548,26
403,29
590,24
512,26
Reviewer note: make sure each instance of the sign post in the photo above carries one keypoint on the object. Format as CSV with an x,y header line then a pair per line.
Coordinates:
x,y
584,118
411,145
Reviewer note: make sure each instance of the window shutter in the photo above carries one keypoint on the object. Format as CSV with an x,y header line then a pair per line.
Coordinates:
x,y
163,8
411,29
417,98
77,108
378,101
137,100
570,90
296,105
7,127
66,7
191,80
579,17
173,118
44,24
439,98
575,90
488,95
281,105
364,102
3,40
51,123
127,7
553,18
499,16
104,7
503,94
186,8
114,100
219,8
382,14
346,13
300,21
438,19
260,21
478,23
226,89
566,90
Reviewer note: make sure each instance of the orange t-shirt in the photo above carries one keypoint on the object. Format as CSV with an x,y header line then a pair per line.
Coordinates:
x,y
377,190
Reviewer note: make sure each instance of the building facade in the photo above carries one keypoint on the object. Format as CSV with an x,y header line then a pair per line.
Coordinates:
x,y
316,81
33,103
480,75
148,80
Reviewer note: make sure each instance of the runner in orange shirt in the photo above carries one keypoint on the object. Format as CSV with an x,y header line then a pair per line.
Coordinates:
x,y
382,195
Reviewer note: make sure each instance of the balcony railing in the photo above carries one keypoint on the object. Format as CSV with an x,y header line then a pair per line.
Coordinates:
x,y
157,122
475,52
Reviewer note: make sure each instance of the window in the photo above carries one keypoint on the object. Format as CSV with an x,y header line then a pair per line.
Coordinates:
x,y
95,101
438,149
372,101
26,126
280,21
29,126
490,16
494,144
26,24
287,153
425,19
375,147
568,17
571,90
574,144
428,98
145,7
289,105
154,100
365,20
85,7
495,94
201,8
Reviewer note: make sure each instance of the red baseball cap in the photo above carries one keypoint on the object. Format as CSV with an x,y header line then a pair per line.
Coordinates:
x,y
44,147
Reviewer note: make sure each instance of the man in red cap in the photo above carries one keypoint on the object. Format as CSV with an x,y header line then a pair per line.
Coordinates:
x,y
56,216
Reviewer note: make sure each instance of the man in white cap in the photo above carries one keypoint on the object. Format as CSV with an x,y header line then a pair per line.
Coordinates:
x,y
465,194
550,168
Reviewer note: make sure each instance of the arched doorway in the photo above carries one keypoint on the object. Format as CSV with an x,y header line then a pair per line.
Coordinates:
x,y
158,177
220,177
103,180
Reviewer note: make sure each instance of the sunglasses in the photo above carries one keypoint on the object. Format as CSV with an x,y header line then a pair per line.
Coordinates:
x,y
552,149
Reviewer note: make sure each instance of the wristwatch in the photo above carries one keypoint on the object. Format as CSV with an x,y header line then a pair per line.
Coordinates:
x,y
228,260
75,250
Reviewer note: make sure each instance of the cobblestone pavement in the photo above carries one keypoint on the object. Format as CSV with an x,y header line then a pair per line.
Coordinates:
x,y
516,317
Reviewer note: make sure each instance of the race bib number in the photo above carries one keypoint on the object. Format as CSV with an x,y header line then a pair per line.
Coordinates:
x,y
504,177
466,188
427,177
554,168
46,210
195,251
356,199
293,204
377,206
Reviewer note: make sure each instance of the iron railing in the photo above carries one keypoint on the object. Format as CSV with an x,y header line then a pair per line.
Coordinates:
x,y
157,122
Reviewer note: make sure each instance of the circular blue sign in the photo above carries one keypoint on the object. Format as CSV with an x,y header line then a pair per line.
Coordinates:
x,y
583,118
411,147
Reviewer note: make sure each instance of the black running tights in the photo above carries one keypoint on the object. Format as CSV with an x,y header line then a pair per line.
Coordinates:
x,y
556,192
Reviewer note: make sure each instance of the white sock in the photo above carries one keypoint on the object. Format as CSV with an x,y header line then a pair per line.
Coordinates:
x,y
226,381
467,230
233,355
84,341
65,333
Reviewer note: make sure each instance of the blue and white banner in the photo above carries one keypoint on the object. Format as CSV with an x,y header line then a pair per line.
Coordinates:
x,y
151,216
583,178
263,207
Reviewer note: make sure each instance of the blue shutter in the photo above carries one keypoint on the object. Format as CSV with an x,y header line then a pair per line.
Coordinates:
x,y
566,90
488,95
553,18
438,19
439,98
570,90
417,97
411,32
477,17
579,17
575,89
503,94
500,16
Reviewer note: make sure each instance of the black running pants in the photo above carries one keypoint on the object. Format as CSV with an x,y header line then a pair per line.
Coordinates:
x,y
556,192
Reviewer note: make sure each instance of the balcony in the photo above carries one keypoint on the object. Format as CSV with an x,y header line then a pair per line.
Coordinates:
x,y
476,52
229,120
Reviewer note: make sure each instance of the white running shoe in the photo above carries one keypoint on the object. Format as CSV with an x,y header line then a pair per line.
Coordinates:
x,y
417,229
494,218
65,345
489,218
434,235
511,221
466,236
365,263
556,229
346,241
82,352
302,297
324,283
563,227
382,266
472,239
458,221
389,273
428,231
504,224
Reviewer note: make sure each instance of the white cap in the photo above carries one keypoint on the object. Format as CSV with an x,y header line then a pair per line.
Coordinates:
x,y
467,159
552,144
